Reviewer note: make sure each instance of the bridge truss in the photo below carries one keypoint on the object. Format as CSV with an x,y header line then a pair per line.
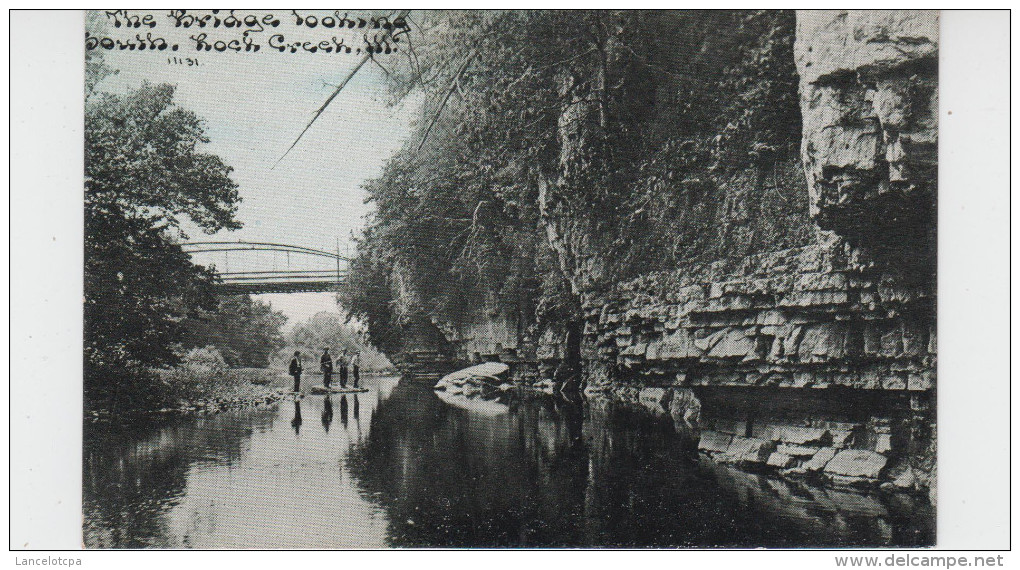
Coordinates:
x,y
273,280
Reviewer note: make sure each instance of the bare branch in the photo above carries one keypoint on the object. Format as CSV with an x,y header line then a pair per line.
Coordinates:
x,y
449,91
375,61
366,57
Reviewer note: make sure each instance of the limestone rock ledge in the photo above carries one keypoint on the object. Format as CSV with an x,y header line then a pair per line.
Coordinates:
x,y
889,445
845,352
810,317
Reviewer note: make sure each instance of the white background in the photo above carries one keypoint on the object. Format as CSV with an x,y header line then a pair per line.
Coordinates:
x,y
45,219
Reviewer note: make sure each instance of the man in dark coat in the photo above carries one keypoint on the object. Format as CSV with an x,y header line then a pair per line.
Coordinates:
x,y
295,371
356,368
326,365
341,362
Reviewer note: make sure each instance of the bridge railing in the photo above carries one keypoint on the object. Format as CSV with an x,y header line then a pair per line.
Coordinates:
x,y
274,280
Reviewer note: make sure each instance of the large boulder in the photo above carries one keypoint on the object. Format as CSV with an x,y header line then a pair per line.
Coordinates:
x,y
749,450
479,376
857,463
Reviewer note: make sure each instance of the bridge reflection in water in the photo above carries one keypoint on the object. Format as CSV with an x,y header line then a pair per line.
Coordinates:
x,y
273,280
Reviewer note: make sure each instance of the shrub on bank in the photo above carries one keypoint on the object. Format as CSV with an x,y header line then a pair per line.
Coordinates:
x,y
187,384
159,388
206,360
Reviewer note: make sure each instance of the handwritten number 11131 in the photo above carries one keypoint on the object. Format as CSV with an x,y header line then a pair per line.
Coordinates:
x,y
189,61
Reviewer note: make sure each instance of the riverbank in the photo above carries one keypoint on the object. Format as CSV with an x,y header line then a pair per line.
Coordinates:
x,y
205,390
840,438
202,390
836,437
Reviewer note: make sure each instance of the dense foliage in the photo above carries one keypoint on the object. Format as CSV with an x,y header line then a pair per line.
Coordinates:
x,y
561,152
144,172
245,331
332,331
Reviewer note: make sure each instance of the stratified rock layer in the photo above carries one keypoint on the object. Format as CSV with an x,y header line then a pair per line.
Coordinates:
x,y
809,317
819,319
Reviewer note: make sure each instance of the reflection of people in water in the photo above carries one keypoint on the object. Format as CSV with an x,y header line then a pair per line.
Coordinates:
x,y
327,413
296,422
326,366
357,422
343,410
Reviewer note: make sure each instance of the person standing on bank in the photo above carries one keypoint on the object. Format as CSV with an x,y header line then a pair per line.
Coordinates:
x,y
341,362
326,366
355,370
295,371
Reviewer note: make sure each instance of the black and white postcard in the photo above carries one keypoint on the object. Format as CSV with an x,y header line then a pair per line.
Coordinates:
x,y
408,278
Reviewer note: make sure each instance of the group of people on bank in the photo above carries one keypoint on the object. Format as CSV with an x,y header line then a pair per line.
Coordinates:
x,y
326,366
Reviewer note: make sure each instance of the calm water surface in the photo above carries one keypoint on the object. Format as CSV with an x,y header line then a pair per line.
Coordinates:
x,y
398,467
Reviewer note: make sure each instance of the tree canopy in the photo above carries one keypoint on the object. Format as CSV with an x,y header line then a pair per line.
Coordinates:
x,y
560,152
144,173
246,331
333,331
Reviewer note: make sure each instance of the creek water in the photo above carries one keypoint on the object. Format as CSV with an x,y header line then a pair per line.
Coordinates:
x,y
398,467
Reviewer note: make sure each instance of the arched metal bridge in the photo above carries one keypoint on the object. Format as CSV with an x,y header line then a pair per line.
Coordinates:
x,y
273,280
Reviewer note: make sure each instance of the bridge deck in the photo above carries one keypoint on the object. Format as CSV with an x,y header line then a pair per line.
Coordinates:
x,y
273,280
254,288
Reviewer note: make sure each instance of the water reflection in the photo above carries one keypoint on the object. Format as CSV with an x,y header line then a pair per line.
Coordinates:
x,y
239,479
135,472
409,470
327,412
549,472
296,422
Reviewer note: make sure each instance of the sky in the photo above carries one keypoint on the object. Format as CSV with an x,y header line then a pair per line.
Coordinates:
x,y
254,105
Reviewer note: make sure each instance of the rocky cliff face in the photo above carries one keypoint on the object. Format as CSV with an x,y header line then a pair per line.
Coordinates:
x,y
811,317
814,360
869,101
765,330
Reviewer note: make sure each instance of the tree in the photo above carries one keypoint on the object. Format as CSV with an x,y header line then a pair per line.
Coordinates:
x,y
331,330
326,330
144,173
562,152
246,331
